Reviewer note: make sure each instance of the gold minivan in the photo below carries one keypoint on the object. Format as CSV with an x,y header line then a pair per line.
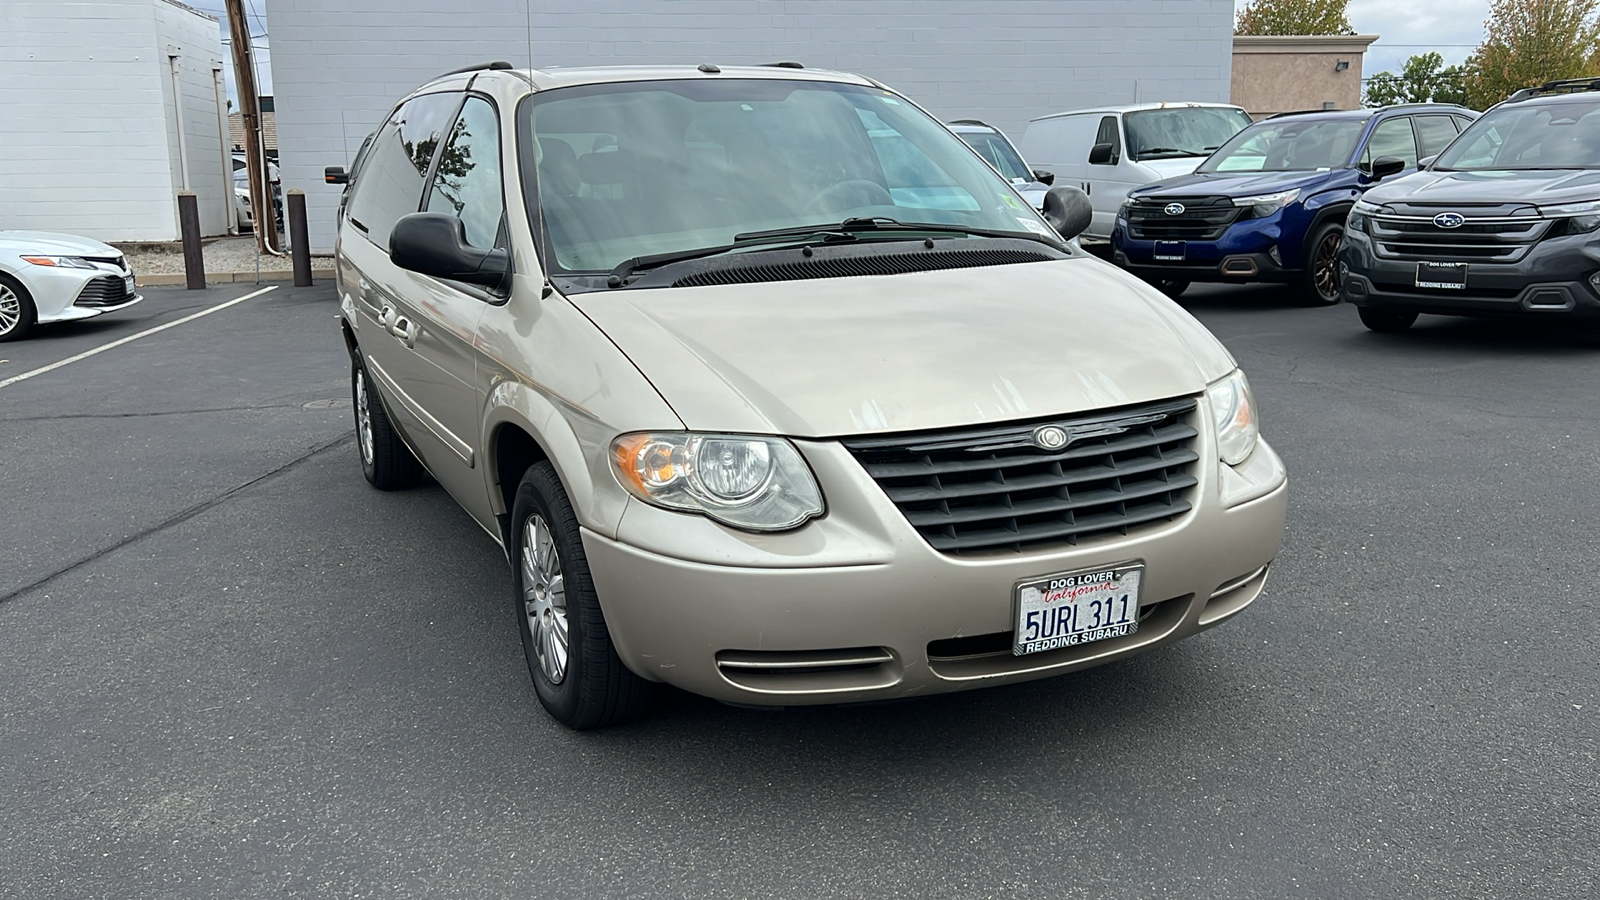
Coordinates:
x,y
773,390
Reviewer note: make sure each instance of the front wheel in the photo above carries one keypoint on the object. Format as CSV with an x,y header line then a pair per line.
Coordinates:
x,y
1386,321
1319,286
576,672
1172,287
17,313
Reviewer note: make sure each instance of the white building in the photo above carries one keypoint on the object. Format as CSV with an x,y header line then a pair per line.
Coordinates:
x,y
337,68
107,109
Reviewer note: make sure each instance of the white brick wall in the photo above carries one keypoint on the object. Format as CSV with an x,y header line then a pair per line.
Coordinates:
x,y
338,68
85,116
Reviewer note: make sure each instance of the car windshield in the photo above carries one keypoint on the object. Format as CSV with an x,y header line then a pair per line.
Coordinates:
x,y
994,148
1557,136
662,167
1181,130
1289,144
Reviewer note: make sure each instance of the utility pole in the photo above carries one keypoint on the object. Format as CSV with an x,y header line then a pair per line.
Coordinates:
x,y
244,75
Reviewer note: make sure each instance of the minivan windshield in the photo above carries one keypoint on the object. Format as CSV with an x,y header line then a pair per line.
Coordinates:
x,y
640,169
994,148
1181,130
1544,136
1289,144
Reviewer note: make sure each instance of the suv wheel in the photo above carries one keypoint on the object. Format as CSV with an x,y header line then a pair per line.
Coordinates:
x,y
17,313
1319,286
576,671
1386,321
1172,287
386,461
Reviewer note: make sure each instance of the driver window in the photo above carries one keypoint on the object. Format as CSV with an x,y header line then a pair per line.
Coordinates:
x,y
1108,134
466,182
1392,137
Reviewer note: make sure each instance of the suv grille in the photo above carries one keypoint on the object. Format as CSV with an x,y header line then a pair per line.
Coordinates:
x,y
1202,219
106,290
989,489
1499,239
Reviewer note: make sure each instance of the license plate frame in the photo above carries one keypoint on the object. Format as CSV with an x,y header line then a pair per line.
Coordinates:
x,y
1445,276
128,284
1076,607
1171,251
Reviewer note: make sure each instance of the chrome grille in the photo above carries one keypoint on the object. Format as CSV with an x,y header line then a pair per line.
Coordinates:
x,y
105,290
1202,219
1500,239
989,489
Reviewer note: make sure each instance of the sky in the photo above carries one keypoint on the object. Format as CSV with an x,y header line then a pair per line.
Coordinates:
x,y
256,12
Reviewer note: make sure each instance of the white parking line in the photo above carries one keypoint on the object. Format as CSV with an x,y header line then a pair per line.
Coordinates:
x,y
132,337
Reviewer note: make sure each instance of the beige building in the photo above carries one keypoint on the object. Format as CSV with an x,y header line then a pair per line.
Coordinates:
x,y
1274,74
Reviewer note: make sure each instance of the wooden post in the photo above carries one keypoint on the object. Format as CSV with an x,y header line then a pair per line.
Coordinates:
x,y
194,261
299,243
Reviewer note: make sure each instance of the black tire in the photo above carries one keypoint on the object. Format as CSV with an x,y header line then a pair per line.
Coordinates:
x,y
1319,284
1386,321
17,312
1172,287
592,688
386,461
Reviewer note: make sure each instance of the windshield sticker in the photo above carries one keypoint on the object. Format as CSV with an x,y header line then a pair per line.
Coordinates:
x,y
1035,226
1011,201
890,100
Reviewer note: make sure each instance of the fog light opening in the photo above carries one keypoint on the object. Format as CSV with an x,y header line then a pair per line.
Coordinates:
x,y
1239,265
1273,253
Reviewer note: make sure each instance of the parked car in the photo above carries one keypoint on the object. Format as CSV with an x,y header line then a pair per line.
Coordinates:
x,y
828,415
47,277
241,181
997,150
243,215
1270,204
1110,151
1506,221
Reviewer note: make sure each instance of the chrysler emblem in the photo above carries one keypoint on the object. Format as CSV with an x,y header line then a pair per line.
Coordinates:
x,y
1173,209
1049,437
1449,220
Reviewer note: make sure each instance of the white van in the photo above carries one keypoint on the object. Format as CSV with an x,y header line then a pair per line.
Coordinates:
x,y
1112,150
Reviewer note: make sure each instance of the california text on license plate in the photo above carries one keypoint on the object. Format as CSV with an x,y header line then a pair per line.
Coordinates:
x,y
1076,607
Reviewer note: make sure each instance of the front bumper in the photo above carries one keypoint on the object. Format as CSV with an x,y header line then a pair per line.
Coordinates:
x,y
1550,280
878,614
1248,251
63,294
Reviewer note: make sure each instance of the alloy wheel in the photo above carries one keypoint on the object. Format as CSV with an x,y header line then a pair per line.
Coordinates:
x,y
544,598
1326,265
10,309
364,418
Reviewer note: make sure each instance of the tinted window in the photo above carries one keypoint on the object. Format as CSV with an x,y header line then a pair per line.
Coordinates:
x,y
466,183
392,175
1435,133
1288,144
1559,136
999,153
1108,135
1392,137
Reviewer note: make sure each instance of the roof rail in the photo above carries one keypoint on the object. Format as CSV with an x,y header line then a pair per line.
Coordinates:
x,y
783,64
970,122
497,65
1563,86
1307,112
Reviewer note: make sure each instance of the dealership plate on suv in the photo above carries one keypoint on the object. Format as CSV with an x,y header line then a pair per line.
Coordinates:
x,y
1450,276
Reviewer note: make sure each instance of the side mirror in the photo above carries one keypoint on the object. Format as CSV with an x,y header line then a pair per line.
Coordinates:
x,y
436,244
1068,210
1426,161
1043,177
335,175
1101,155
1384,166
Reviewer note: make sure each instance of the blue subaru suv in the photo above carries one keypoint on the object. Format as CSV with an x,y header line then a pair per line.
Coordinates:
x,y
1270,204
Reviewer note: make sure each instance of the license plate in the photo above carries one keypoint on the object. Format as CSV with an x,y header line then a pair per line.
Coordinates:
x,y
1171,250
1448,276
127,283
1076,608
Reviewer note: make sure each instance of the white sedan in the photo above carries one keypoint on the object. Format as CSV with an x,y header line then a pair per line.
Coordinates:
x,y
47,277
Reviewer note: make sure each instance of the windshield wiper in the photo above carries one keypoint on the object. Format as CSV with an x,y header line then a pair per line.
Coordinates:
x,y
851,227
1153,150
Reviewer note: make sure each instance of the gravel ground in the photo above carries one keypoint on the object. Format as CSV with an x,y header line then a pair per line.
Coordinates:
x,y
229,254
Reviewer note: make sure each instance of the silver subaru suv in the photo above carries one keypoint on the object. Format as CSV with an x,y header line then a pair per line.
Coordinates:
x,y
773,390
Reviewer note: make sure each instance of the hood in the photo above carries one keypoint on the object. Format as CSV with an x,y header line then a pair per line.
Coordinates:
x,y
1034,192
49,243
886,353
1231,184
1172,167
1492,187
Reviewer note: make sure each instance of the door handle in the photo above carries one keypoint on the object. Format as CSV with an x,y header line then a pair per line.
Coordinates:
x,y
406,330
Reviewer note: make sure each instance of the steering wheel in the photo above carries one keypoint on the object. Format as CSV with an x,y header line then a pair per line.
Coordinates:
x,y
841,195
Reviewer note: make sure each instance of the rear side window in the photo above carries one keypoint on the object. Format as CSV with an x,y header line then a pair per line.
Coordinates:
x,y
466,183
393,175
1392,137
1108,134
1435,133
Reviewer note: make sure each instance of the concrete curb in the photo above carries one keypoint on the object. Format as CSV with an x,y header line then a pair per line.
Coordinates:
x,y
230,277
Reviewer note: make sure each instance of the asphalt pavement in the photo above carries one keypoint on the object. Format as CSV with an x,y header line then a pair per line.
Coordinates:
x,y
231,669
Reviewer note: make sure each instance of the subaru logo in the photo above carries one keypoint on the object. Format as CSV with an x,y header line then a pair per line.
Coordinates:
x,y
1049,437
1449,220
1173,209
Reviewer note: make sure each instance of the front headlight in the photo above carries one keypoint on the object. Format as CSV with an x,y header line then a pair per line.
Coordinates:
x,y
1582,218
754,483
1233,411
63,262
1267,204
1357,220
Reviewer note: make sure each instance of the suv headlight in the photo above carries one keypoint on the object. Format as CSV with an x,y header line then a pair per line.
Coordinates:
x,y
1582,218
1267,204
64,262
754,483
1233,411
1357,220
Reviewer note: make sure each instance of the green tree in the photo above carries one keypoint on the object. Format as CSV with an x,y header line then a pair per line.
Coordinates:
x,y
1529,42
1423,79
1294,17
